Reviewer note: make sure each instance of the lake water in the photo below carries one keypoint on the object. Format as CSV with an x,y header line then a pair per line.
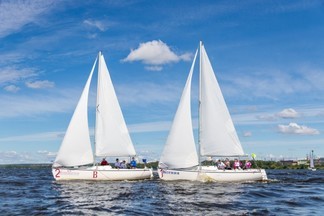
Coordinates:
x,y
33,191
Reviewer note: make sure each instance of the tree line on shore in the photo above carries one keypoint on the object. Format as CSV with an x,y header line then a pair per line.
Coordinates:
x,y
255,164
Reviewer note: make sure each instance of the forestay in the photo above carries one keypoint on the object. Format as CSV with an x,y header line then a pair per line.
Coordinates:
x,y
180,149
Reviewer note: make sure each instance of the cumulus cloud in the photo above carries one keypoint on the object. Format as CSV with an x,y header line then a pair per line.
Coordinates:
x,y
294,128
11,88
155,54
288,113
40,84
285,113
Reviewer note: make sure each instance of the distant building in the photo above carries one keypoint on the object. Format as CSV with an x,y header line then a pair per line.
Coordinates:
x,y
289,162
303,162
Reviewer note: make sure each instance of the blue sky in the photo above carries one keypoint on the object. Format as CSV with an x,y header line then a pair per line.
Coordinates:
x,y
267,55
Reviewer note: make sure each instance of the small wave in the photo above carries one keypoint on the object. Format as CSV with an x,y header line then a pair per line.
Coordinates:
x,y
291,203
314,180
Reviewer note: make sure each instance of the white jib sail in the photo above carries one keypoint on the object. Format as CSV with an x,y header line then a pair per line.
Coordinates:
x,y
180,149
76,148
217,133
111,135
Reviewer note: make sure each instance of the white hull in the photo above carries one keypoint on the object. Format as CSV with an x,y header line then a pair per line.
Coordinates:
x,y
213,174
101,173
313,169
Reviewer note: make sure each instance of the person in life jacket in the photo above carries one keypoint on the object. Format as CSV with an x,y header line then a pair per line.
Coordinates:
x,y
247,164
104,162
236,164
133,163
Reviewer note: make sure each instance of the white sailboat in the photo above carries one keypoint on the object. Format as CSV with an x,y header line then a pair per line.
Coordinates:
x,y
76,158
311,161
216,134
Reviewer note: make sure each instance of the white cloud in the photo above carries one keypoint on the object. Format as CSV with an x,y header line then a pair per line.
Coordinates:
x,y
13,74
294,128
259,83
150,127
16,14
101,25
288,113
266,117
11,57
155,53
145,93
35,104
11,88
40,84
284,7
14,157
153,68
47,153
247,134
38,137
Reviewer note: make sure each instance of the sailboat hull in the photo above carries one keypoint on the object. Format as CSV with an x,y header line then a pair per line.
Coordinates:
x,y
101,173
213,174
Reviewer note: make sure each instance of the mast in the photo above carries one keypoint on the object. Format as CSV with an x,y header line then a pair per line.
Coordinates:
x,y
97,110
199,105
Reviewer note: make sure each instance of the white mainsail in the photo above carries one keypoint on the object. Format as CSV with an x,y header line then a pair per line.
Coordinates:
x,y
217,133
111,133
77,137
180,149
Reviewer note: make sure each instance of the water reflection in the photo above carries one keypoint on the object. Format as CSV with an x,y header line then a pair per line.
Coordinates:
x,y
147,197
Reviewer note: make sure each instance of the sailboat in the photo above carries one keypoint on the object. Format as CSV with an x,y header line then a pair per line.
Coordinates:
x,y
76,157
311,161
217,136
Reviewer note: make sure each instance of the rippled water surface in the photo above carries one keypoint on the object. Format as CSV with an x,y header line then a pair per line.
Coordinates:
x,y
32,190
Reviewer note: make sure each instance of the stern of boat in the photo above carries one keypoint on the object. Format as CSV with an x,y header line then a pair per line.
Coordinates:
x,y
264,175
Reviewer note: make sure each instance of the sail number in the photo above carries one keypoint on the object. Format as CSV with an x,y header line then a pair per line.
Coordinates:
x,y
58,171
95,174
